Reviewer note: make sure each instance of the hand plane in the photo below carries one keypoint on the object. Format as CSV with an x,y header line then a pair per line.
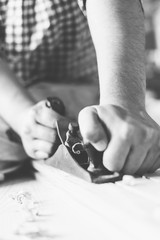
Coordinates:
x,y
73,155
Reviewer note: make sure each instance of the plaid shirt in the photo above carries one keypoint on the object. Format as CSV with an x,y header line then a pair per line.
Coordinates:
x,y
47,40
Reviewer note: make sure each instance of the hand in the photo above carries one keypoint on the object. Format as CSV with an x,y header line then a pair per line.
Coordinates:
x,y
38,130
130,140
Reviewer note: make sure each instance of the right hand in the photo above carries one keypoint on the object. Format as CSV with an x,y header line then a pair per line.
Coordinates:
x,y
128,138
38,130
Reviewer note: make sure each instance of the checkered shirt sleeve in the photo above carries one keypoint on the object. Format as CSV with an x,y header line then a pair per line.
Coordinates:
x,y
47,41
2,29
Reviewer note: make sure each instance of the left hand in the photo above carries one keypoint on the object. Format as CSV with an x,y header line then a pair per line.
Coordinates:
x,y
38,132
129,139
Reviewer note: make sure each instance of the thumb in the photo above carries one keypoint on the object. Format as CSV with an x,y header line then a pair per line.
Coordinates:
x,y
92,129
45,115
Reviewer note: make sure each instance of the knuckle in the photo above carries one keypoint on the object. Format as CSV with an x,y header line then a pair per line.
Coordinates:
x,y
84,112
141,133
147,135
94,135
126,132
33,111
27,131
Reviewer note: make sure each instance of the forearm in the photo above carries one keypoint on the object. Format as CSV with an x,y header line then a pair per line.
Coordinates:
x,y
117,29
14,99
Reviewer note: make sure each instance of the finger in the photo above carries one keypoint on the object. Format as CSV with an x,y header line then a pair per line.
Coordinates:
x,y
38,131
135,159
149,162
115,155
155,166
44,115
91,128
43,146
40,155
45,133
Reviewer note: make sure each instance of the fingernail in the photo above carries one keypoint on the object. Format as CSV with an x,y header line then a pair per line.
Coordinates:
x,y
41,155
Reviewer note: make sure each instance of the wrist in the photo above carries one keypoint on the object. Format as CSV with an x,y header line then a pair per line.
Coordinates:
x,y
126,102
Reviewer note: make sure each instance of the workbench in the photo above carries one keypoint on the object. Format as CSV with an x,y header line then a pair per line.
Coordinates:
x,y
66,207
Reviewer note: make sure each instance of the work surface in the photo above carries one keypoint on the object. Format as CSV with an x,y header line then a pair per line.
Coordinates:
x,y
64,207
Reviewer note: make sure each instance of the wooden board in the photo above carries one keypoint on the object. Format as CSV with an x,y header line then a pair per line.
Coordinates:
x,y
70,208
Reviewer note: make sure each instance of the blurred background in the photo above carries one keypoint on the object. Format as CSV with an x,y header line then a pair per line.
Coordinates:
x,y
152,25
